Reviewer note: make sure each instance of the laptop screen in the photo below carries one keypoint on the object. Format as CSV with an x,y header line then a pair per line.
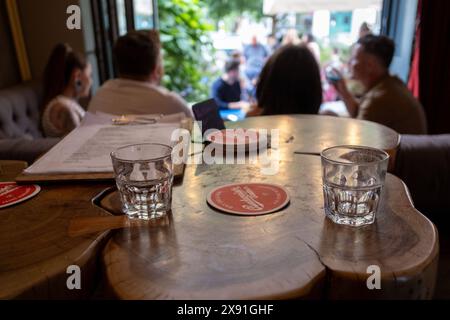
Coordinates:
x,y
207,113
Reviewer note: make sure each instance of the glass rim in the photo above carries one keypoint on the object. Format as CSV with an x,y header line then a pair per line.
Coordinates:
x,y
113,154
382,152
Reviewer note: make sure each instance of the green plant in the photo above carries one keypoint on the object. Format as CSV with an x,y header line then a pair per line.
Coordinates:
x,y
186,47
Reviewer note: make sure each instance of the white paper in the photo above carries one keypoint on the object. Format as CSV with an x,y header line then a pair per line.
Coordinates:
x,y
106,118
88,148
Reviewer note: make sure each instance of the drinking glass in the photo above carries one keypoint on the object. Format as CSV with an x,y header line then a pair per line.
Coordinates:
x,y
144,178
353,177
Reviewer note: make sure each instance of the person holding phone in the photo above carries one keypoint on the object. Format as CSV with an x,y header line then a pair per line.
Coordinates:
x,y
386,99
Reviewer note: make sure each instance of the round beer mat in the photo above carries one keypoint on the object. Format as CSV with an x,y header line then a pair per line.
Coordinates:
x,y
249,199
11,193
236,137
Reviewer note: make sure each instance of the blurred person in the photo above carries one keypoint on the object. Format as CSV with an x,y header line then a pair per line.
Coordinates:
x,y
138,90
364,30
246,85
311,43
386,99
291,38
226,90
335,59
289,83
255,56
67,78
272,44
330,93
237,56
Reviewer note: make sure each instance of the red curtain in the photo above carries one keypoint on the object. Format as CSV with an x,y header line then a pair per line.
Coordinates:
x,y
430,77
414,77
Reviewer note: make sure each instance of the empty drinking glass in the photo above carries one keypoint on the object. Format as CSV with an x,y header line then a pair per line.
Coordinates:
x,y
144,177
353,177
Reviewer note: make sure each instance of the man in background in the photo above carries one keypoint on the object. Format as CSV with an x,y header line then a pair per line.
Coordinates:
x,y
255,56
138,90
226,90
386,100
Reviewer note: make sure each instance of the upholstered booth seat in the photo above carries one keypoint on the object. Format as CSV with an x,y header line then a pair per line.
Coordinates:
x,y
19,112
20,135
24,149
423,163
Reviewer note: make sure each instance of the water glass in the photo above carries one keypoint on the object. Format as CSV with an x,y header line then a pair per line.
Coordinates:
x,y
144,178
353,177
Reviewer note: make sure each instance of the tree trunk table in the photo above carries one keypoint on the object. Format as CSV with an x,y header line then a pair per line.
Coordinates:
x,y
200,253
35,249
310,134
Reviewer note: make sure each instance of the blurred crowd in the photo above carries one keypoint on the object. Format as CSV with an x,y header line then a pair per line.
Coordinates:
x,y
236,87
285,77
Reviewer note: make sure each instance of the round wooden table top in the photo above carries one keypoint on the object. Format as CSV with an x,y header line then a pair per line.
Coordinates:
x,y
310,134
197,252
35,249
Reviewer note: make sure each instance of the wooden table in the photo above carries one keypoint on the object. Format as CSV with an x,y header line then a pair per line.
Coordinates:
x,y
35,249
199,253
311,134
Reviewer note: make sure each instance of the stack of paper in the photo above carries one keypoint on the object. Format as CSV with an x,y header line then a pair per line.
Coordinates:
x,y
88,148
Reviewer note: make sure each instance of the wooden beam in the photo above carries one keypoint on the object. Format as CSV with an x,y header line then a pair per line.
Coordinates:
x,y
19,43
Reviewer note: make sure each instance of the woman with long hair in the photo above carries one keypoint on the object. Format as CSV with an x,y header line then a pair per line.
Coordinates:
x,y
67,78
290,83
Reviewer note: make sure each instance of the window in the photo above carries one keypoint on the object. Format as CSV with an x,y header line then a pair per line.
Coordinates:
x,y
143,14
121,17
114,18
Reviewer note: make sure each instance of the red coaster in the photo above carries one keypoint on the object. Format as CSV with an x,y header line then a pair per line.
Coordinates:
x,y
235,137
249,199
11,193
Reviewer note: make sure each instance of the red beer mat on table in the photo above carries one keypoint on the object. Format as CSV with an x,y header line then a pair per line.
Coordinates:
x,y
11,193
234,137
249,199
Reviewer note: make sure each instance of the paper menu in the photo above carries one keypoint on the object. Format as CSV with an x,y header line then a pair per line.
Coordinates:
x,y
87,149
106,118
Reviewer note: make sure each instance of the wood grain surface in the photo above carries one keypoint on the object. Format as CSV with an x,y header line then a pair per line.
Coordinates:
x,y
9,169
196,252
35,248
311,134
200,253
